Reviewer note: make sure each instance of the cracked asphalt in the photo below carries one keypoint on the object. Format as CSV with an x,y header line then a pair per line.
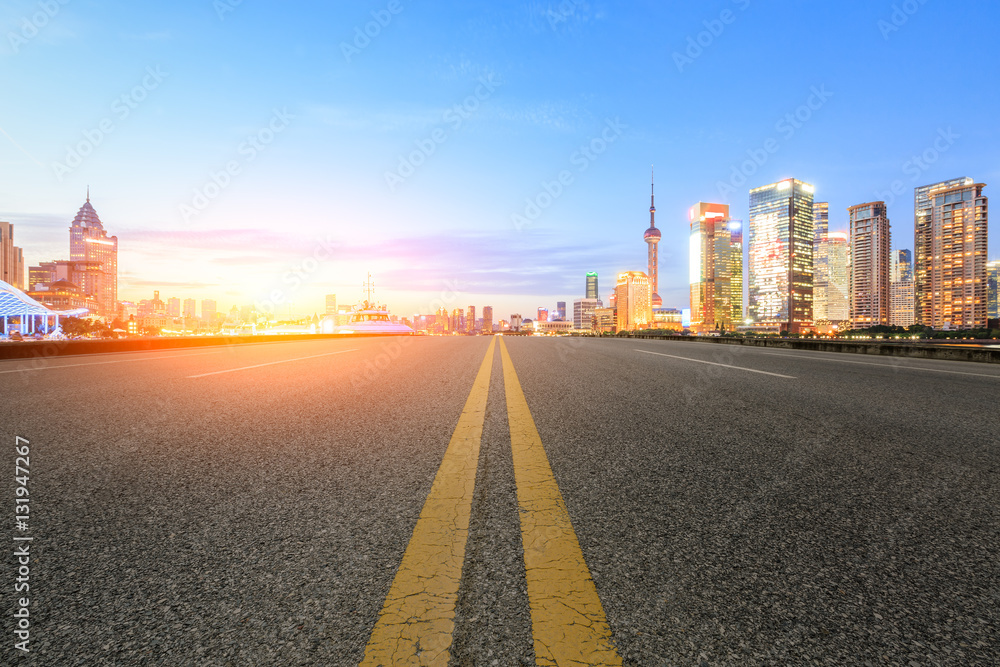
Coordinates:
x,y
846,513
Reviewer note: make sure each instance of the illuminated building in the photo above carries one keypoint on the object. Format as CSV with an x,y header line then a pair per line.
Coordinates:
x,y
652,238
716,268
190,308
633,301
208,309
583,313
592,285
870,243
781,256
670,319
173,307
470,320
331,304
821,221
63,295
902,308
457,321
560,312
87,276
992,278
11,258
487,319
515,322
950,237
831,280
605,320
543,315
89,242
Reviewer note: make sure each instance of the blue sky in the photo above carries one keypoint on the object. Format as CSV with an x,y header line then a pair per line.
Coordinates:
x,y
252,145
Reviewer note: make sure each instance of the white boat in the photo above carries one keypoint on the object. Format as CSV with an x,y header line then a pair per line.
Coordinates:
x,y
369,318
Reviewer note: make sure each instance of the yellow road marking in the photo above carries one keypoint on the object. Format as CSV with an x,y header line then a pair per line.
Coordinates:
x,y
567,619
417,620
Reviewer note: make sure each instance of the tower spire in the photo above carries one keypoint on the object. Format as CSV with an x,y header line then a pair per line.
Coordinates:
x,y
88,193
652,197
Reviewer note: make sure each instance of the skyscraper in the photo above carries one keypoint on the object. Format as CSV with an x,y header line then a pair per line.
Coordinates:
x,y
11,258
173,307
902,311
583,313
992,278
208,310
89,242
592,292
560,311
190,308
652,238
950,244
716,268
543,315
831,279
487,319
870,243
821,220
633,299
470,320
331,304
781,255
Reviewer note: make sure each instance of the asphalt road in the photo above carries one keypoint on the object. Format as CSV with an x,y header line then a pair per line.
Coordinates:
x,y
251,505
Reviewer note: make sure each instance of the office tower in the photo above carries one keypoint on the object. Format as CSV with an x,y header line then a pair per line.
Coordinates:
x,y
487,319
11,258
208,310
543,315
457,321
190,308
716,275
515,322
331,304
173,307
583,313
992,278
870,243
89,242
821,220
592,292
560,311
902,309
949,244
634,301
470,320
781,255
831,279
652,238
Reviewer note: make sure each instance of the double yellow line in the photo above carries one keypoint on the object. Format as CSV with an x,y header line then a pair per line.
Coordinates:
x,y
417,620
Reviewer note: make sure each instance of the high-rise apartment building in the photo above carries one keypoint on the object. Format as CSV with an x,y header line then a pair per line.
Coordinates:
x,y
470,320
992,278
870,277
331,304
652,239
583,313
543,315
560,311
190,308
592,292
902,308
831,279
950,245
487,319
89,242
634,301
781,255
716,268
208,308
11,258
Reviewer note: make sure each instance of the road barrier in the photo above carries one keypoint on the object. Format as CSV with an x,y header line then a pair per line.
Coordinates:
x,y
58,348
953,352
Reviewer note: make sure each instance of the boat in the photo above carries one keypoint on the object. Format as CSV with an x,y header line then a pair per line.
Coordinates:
x,y
368,318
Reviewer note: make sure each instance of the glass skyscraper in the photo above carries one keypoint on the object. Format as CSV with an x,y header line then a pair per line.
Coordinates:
x,y
716,268
781,255
592,285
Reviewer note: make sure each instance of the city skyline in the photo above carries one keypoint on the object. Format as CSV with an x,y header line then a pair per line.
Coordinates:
x,y
320,159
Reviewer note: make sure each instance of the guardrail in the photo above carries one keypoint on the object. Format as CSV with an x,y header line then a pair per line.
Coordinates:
x,y
946,352
58,348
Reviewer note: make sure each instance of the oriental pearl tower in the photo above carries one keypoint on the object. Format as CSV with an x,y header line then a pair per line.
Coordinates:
x,y
652,237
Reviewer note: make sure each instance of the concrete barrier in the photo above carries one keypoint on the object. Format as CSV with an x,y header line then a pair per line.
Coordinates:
x,y
877,348
58,348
